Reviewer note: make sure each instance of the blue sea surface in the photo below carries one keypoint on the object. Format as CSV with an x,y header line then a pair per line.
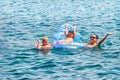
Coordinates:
x,y
24,21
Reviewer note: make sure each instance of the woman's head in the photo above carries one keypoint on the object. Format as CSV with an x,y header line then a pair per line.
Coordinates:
x,y
94,37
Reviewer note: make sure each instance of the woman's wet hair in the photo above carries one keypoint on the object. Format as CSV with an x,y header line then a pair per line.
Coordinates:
x,y
95,35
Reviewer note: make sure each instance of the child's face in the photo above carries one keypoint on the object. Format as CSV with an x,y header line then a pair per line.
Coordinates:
x,y
45,41
70,34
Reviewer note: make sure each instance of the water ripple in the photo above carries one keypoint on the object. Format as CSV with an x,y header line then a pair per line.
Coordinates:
x,y
22,22
89,67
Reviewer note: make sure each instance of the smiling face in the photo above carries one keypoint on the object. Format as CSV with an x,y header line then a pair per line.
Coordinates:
x,y
45,40
94,38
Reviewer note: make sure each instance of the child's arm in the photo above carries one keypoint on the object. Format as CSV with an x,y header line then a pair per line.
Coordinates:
x,y
66,29
74,29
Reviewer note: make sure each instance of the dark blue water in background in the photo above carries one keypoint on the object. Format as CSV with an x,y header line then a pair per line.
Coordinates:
x,y
24,21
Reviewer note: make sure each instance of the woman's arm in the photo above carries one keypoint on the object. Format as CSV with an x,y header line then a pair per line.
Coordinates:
x,y
101,41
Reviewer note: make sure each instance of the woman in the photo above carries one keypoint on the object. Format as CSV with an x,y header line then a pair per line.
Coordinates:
x,y
93,43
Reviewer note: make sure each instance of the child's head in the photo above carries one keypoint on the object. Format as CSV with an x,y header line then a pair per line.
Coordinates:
x,y
45,40
70,34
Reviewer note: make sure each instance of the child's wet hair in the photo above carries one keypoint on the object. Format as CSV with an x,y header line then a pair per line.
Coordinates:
x,y
45,38
70,31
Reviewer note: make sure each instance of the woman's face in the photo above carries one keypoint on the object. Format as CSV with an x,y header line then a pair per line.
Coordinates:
x,y
93,38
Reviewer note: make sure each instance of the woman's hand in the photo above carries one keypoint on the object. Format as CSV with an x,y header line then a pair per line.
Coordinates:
x,y
110,33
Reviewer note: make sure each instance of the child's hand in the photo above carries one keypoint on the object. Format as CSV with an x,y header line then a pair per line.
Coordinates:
x,y
74,27
67,26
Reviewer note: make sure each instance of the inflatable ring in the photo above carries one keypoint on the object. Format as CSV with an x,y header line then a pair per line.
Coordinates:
x,y
60,35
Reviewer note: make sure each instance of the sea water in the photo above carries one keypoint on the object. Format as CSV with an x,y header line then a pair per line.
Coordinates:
x,y
24,21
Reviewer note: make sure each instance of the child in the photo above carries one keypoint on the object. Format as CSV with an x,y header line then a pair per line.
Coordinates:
x,y
45,44
69,35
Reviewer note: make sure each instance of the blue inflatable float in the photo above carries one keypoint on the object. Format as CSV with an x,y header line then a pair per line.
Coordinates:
x,y
60,35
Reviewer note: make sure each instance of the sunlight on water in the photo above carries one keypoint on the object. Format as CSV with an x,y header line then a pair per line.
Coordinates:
x,y
24,21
